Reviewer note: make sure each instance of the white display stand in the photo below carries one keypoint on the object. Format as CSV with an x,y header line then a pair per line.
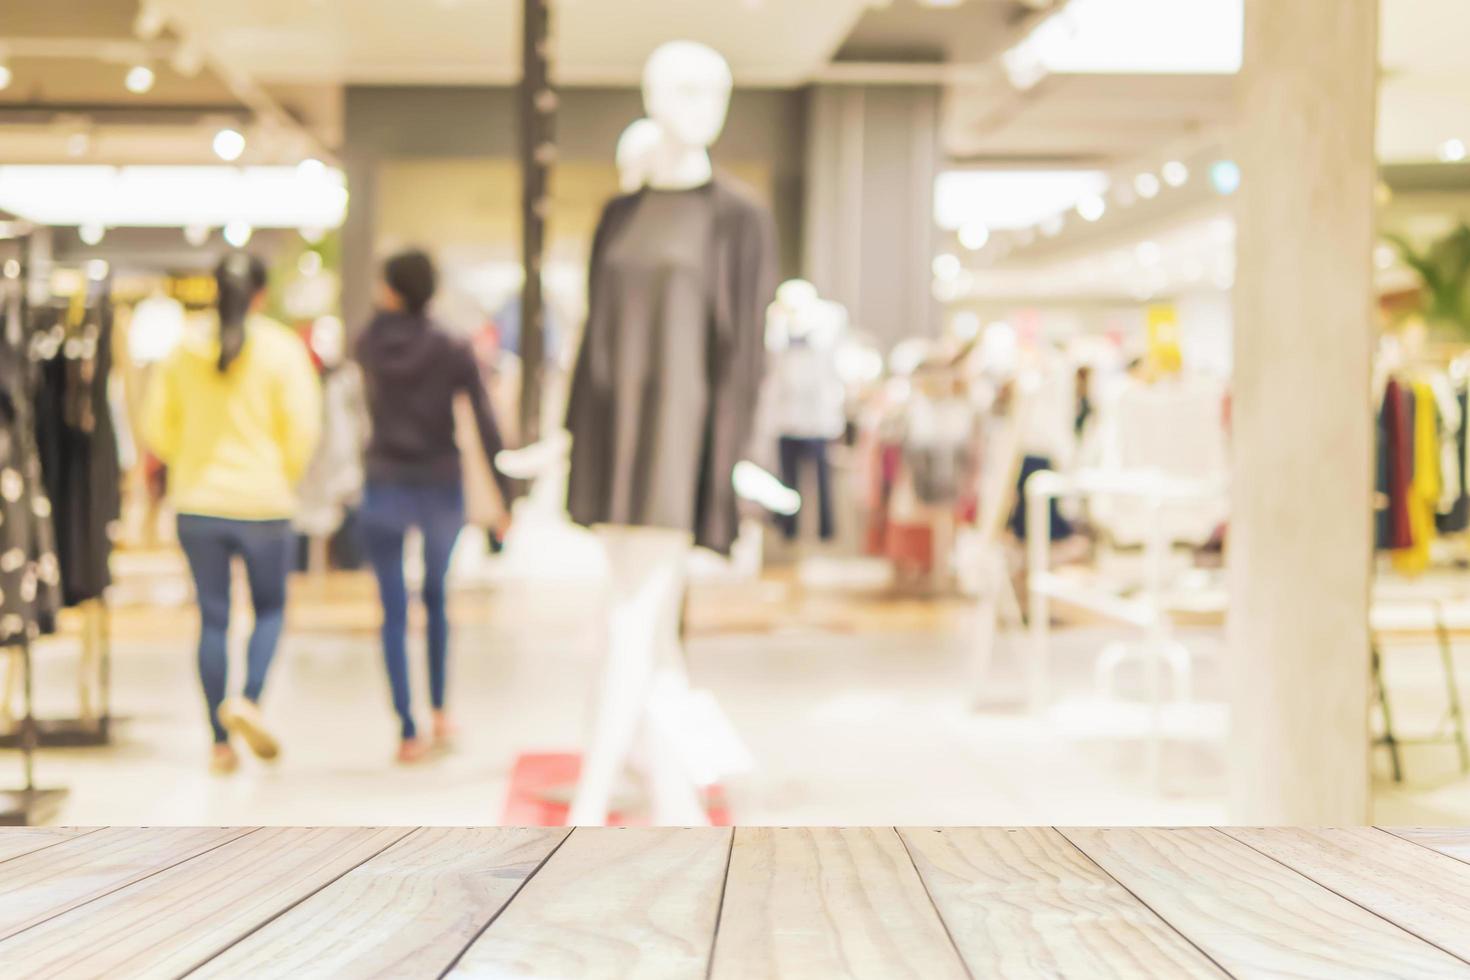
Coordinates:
x,y
1147,609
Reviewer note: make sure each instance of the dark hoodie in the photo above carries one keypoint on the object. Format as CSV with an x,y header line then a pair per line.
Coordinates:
x,y
413,372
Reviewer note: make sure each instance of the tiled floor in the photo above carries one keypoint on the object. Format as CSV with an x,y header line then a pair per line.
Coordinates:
x,y
858,712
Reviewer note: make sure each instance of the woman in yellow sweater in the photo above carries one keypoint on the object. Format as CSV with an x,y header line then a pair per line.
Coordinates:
x,y
235,413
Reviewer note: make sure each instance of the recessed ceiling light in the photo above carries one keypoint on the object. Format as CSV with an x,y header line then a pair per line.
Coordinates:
x,y
1176,174
237,233
1147,185
228,145
1092,207
196,235
947,267
91,233
974,236
5,76
1452,151
139,79
311,167
1225,176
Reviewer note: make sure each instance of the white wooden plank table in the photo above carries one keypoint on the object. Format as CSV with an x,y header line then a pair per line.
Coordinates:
x,y
703,903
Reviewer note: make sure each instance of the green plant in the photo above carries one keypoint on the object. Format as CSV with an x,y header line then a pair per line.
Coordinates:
x,y
1444,269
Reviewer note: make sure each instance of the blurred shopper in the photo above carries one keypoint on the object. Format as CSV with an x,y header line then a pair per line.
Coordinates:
x,y
414,373
234,413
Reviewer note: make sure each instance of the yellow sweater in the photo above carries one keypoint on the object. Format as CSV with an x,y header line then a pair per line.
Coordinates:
x,y
236,443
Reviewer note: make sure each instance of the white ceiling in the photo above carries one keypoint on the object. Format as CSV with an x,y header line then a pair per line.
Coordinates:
x,y
768,42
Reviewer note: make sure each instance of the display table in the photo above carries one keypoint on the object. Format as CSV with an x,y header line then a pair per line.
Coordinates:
x,y
757,903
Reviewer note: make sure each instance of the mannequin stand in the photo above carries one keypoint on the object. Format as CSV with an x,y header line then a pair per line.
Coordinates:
x,y
28,806
92,727
642,680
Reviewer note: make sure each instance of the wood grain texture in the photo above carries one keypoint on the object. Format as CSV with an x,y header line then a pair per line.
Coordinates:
x,y
828,903
172,921
1254,916
611,903
46,883
1453,843
1417,889
15,841
406,913
1028,903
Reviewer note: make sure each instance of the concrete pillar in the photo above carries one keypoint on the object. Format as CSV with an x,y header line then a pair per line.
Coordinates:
x,y
872,156
1300,540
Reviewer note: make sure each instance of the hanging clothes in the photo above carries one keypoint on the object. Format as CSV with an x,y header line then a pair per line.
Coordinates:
x,y
665,390
29,572
77,442
1454,508
1424,482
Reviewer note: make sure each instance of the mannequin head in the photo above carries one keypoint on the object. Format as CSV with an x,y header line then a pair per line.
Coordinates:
x,y
636,148
686,91
796,294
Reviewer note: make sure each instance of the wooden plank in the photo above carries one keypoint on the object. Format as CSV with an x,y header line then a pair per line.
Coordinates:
x,y
47,883
406,913
1028,903
1450,841
15,841
828,903
628,902
1417,889
171,922
1254,916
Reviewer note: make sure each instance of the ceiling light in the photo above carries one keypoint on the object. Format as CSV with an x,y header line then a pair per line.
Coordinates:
x,y
1176,174
91,233
228,145
311,167
5,76
1092,207
139,79
1052,226
1452,151
237,233
1009,199
1125,196
1148,253
310,263
97,270
974,236
947,267
1147,186
172,196
196,235
1225,176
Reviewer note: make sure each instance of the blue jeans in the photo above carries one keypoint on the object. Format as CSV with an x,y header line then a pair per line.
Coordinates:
x,y
211,544
388,511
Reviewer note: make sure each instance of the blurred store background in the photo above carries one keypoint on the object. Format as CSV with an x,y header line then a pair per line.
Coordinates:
x,y
1001,373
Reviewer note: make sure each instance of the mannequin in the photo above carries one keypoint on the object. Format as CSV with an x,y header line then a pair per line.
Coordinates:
x,y
634,154
662,402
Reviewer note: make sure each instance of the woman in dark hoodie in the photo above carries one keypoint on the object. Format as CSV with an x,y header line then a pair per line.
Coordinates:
x,y
414,371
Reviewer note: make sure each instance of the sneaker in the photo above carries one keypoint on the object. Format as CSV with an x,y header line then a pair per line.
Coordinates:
x,y
223,760
242,717
412,750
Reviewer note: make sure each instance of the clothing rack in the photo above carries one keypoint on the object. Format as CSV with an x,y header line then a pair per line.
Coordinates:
x,y
28,805
91,726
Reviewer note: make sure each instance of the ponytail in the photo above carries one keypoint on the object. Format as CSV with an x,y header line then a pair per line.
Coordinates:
x,y
238,279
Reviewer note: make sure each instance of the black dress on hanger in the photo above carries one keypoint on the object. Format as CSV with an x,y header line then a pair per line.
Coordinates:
x,y
29,571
